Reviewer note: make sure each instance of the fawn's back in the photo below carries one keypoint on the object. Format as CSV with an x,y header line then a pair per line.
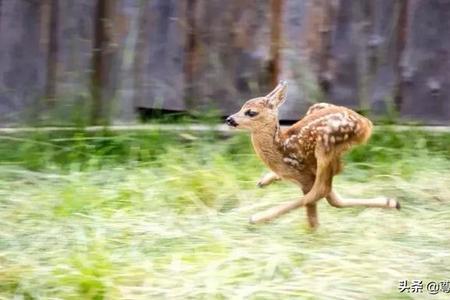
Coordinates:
x,y
332,127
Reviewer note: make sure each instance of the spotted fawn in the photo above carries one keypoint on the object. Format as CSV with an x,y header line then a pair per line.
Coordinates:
x,y
308,153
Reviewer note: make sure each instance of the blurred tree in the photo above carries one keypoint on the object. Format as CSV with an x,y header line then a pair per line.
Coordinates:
x,y
103,90
50,21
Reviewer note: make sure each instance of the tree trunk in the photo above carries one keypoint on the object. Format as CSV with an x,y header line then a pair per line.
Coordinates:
x,y
52,51
275,40
102,92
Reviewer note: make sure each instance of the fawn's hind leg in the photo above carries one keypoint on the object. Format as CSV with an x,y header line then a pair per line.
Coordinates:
x,y
311,213
311,209
337,201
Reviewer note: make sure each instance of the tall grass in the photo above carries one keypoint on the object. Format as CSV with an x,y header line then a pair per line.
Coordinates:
x,y
154,215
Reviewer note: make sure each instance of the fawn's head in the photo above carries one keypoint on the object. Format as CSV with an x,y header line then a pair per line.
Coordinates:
x,y
259,112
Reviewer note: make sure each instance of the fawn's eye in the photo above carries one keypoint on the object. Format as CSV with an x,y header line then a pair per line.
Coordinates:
x,y
250,113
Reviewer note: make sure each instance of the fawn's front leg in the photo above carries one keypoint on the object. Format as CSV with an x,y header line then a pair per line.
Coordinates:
x,y
320,189
267,179
337,201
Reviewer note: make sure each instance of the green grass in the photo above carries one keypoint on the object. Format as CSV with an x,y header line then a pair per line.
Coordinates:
x,y
164,216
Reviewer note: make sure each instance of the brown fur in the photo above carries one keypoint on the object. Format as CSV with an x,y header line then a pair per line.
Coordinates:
x,y
308,153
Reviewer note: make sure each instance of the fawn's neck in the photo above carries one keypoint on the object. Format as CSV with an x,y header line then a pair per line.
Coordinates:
x,y
265,142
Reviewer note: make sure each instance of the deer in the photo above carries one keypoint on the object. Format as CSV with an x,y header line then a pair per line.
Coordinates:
x,y
308,154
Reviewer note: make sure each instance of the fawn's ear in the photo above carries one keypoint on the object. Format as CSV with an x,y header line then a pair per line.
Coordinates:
x,y
276,97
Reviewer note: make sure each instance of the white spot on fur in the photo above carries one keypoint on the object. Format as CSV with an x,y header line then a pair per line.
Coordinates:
x,y
334,124
291,161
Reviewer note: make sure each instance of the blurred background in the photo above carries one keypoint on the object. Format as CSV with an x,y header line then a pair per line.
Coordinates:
x,y
107,61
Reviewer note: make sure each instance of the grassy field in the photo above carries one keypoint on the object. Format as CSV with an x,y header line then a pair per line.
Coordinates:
x,y
152,215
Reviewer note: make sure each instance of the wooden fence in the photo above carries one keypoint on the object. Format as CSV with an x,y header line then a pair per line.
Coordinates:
x,y
64,61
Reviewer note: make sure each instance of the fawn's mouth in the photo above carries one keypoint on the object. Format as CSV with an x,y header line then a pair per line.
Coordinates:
x,y
231,122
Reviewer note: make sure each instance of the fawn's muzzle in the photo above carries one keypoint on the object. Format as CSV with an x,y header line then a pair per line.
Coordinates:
x,y
231,122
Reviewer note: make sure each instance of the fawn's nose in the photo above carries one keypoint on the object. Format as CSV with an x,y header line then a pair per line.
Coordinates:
x,y
231,122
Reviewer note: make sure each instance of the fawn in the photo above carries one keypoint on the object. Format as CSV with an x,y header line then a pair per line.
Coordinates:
x,y
308,153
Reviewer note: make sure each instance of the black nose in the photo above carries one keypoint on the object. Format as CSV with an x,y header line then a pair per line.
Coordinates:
x,y
231,122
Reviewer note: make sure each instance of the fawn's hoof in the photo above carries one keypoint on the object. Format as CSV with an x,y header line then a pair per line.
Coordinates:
x,y
393,203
